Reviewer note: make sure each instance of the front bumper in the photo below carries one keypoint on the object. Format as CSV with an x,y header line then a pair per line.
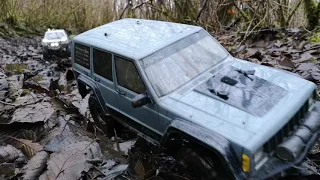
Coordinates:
x,y
61,48
275,166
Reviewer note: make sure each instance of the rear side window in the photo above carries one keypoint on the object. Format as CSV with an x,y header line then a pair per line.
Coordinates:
x,y
82,55
102,64
128,76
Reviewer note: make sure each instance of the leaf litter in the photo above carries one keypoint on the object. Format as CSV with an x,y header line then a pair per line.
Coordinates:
x,y
44,119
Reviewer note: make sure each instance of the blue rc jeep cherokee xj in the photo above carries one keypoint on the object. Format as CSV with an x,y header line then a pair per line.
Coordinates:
x,y
177,87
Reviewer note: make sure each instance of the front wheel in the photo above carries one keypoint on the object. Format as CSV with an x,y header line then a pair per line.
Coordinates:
x,y
196,163
45,54
68,51
102,121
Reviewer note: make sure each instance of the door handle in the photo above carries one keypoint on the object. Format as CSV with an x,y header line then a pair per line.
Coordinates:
x,y
120,92
96,79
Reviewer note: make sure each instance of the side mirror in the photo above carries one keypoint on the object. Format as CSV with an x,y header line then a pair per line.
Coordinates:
x,y
140,100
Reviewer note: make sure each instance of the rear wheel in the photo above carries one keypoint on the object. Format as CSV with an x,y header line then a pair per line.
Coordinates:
x,y
196,163
103,122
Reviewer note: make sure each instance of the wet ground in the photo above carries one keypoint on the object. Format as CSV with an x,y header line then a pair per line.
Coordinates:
x,y
47,132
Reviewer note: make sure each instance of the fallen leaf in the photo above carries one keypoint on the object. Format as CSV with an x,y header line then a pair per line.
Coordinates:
x,y
126,146
287,62
71,161
315,73
278,44
39,112
15,83
305,66
27,147
7,170
10,154
304,57
62,141
42,81
115,171
33,169
3,84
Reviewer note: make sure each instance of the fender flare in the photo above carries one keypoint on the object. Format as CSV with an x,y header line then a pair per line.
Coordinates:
x,y
211,141
92,85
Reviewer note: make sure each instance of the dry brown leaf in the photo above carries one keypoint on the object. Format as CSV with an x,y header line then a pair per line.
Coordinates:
x,y
62,141
71,161
10,154
36,165
39,112
306,56
27,147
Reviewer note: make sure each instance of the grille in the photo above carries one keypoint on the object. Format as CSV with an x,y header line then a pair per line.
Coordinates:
x,y
286,130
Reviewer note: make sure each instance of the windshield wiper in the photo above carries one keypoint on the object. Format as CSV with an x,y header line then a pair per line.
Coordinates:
x,y
246,73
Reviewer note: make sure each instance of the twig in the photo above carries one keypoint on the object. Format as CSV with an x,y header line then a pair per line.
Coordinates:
x,y
98,169
246,35
116,139
18,105
139,5
241,12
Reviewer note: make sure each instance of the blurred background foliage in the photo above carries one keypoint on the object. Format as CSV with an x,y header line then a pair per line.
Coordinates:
x,y
213,15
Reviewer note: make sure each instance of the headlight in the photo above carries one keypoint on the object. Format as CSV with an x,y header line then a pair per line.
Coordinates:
x,y
54,44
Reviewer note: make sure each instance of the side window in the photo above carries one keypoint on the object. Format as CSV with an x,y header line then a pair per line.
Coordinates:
x,y
128,76
82,55
102,64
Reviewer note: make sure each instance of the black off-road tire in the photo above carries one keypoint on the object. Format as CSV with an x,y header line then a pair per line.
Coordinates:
x,y
197,163
68,50
45,53
102,121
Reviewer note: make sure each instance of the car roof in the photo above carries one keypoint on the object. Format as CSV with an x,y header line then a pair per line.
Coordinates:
x,y
135,38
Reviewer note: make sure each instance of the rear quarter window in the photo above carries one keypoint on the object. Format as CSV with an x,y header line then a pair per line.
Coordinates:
x,y
102,64
82,55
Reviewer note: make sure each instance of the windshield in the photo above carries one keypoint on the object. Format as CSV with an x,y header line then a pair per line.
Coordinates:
x,y
174,65
54,35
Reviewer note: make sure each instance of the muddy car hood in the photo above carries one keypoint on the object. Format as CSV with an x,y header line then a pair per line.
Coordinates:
x,y
247,113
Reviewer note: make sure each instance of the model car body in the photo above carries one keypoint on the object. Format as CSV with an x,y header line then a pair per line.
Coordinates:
x,y
55,41
177,87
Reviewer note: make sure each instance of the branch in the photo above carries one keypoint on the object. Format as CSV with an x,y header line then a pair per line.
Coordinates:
x,y
127,6
201,10
282,18
294,11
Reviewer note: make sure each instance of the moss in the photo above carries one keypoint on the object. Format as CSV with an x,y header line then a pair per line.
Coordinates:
x,y
314,60
37,78
312,10
72,36
315,38
18,68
